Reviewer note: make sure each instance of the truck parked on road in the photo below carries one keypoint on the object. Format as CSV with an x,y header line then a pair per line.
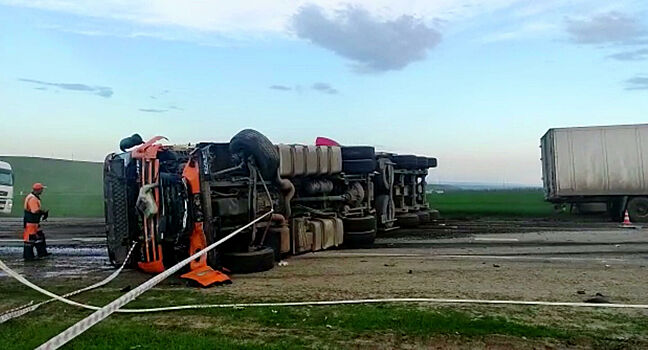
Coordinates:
x,y
173,200
606,164
6,188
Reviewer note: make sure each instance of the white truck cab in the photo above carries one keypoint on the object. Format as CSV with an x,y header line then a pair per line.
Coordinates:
x,y
6,188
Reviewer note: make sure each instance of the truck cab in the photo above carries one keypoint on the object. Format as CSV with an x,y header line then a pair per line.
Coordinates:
x,y
6,188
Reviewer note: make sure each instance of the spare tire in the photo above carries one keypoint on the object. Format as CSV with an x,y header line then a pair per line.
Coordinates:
x,y
261,259
358,152
250,142
359,166
405,161
130,142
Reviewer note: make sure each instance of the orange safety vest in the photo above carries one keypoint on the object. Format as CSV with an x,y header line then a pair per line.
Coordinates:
x,y
32,216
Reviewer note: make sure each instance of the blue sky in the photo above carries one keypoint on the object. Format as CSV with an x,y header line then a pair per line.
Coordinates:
x,y
474,83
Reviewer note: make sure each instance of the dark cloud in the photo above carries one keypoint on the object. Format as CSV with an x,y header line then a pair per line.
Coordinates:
x,y
280,87
41,88
375,45
152,110
174,107
610,27
635,55
102,91
637,83
325,88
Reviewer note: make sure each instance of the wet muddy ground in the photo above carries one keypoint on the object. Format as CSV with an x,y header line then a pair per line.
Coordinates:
x,y
486,258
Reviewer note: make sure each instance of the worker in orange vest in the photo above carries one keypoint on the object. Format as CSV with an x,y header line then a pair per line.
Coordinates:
x,y
33,235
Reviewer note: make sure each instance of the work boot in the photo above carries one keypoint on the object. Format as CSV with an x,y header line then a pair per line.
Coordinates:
x,y
41,246
28,252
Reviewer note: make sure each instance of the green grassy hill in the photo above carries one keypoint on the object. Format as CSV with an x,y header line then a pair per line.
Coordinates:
x,y
74,188
522,203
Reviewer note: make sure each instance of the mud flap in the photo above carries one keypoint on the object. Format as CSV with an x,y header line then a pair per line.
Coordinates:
x,y
200,271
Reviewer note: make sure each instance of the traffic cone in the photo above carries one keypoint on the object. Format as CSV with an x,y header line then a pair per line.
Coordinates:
x,y
626,222
626,219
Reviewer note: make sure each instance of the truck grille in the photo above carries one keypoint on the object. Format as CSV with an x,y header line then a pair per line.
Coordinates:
x,y
3,193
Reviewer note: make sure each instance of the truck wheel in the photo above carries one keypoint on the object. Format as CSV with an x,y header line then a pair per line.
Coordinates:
x,y
116,210
638,209
362,240
614,210
408,220
405,162
421,163
261,259
359,166
423,217
432,162
385,210
358,152
360,224
253,143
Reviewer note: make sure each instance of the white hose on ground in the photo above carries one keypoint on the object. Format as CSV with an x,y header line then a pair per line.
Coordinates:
x,y
96,317
21,310
326,302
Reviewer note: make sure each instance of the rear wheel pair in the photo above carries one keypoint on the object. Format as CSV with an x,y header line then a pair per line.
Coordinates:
x,y
360,232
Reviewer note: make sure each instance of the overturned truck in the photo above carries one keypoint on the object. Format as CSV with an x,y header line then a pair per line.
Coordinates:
x,y
173,200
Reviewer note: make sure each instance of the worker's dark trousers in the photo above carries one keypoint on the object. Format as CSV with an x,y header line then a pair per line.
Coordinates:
x,y
36,240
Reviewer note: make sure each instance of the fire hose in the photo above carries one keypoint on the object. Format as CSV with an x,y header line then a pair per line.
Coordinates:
x,y
21,310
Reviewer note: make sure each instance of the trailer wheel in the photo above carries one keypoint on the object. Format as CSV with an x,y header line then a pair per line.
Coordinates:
x,y
360,224
408,220
359,166
362,240
405,161
423,217
638,209
358,152
261,259
253,143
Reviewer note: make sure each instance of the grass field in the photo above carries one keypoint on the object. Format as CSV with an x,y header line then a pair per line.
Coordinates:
x,y
522,203
74,188
332,327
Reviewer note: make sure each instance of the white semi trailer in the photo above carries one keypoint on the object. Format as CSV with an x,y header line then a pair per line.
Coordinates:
x,y
6,188
606,164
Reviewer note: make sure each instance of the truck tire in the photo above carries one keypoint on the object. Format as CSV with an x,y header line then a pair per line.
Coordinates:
x,y
361,224
359,240
405,161
385,210
261,259
421,163
130,142
253,143
116,211
358,152
432,162
408,220
638,209
614,209
359,166
424,216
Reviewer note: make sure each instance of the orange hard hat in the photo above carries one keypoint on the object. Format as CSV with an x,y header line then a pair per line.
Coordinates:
x,y
38,186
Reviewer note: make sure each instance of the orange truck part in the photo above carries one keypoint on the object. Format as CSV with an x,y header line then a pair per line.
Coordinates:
x,y
199,270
